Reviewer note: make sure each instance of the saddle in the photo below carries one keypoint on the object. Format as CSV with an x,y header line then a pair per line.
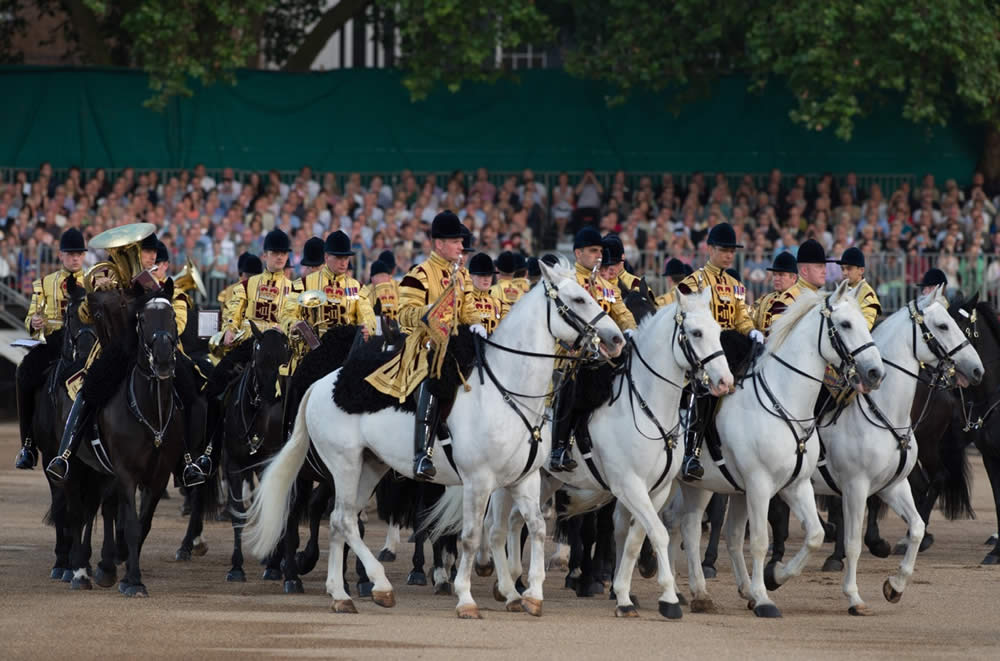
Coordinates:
x,y
354,394
741,354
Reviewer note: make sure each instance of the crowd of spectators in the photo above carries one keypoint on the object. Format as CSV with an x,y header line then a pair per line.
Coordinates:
x,y
211,221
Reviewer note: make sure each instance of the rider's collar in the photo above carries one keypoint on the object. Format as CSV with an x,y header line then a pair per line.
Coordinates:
x,y
802,282
439,261
583,270
712,269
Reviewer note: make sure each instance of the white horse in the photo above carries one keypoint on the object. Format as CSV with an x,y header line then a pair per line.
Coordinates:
x,y
769,441
496,427
870,448
637,444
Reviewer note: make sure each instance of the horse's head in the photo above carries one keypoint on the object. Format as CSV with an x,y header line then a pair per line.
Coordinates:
x,y
157,331
271,350
78,338
939,339
578,318
111,312
698,346
847,343
638,302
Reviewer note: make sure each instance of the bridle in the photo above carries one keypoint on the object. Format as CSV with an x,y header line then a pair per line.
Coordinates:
x,y
972,331
248,392
587,334
153,381
944,374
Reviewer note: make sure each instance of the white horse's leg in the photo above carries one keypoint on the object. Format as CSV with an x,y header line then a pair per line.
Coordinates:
x,y
758,498
353,490
526,494
900,498
855,494
501,506
335,573
475,497
692,509
802,501
735,530
645,512
629,536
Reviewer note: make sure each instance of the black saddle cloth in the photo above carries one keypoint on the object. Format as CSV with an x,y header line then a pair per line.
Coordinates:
x,y
741,353
328,356
355,395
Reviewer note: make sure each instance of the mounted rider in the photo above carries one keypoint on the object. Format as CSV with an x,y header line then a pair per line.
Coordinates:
x,y
588,250
674,271
266,295
45,316
432,301
853,263
613,268
729,309
124,269
489,308
770,306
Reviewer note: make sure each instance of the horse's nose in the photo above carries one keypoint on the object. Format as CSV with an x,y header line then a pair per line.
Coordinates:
x,y
977,375
618,339
875,375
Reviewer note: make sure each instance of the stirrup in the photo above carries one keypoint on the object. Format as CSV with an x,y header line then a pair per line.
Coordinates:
x,y
555,461
58,468
204,464
27,457
692,470
192,475
423,468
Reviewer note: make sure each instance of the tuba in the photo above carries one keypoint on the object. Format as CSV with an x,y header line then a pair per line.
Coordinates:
x,y
124,261
189,279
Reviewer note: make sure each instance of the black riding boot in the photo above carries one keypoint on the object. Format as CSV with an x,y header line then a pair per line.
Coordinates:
x,y
691,469
76,423
561,458
27,456
423,434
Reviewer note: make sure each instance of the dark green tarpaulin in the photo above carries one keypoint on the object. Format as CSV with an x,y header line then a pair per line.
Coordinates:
x,y
363,120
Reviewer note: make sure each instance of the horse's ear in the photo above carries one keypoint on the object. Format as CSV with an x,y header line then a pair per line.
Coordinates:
x,y
973,301
842,288
927,299
643,288
168,289
254,329
72,288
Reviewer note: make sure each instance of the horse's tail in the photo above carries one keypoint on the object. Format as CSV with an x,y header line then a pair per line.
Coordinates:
x,y
445,516
954,480
265,520
582,501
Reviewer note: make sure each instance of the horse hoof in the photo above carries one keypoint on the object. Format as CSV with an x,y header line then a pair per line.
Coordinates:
x,y
926,542
82,583
122,587
881,549
890,593
709,571
832,564
497,595
294,586
770,582
271,574
626,611
416,577
343,606
484,570
199,549
385,555
236,576
671,611
138,590
105,579
570,582
384,598
859,611
182,555
57,573
532,606
365,589
991,559
514,606
703,606
67,575
766,610
468,612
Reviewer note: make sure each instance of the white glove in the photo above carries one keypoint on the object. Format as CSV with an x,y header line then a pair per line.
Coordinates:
x,y
478,330
757,336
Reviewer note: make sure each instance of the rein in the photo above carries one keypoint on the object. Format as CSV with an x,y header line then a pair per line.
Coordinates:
x,y
163,420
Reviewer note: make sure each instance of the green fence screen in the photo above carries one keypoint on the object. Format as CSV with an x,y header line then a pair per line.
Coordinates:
x,y
363,120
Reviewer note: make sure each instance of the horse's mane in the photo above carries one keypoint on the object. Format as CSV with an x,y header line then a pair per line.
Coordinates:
x,y
988,314
648,320
806,301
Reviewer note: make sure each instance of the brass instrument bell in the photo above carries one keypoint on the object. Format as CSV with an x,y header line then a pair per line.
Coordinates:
x,y
189,278
124,254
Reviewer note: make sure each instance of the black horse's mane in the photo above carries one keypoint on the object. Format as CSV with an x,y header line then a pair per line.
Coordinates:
x,y
988,314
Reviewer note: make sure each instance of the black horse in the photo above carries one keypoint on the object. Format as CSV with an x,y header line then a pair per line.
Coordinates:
x,y
140,427
42,382
252,429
